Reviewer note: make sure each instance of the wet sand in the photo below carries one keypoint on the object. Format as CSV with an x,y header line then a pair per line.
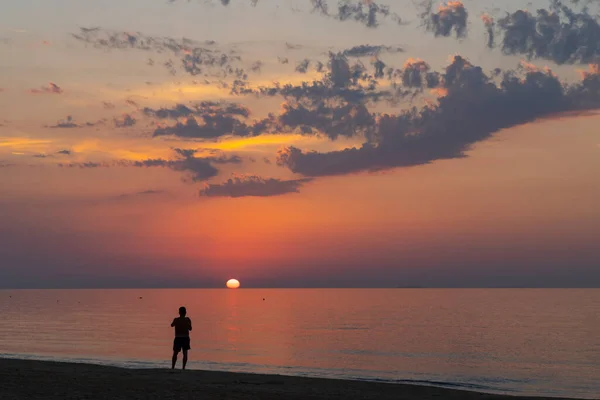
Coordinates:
x,y
32,380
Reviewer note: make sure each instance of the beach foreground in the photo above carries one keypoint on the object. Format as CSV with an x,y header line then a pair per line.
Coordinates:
x,y
28,380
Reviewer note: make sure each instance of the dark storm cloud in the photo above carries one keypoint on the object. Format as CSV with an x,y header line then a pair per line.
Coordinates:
x,y
450,18
367,13
124,121
560,34
64,152
51,88
69,122
471,109
255,186
367,50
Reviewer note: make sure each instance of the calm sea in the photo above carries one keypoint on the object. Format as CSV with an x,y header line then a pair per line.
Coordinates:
x,y
518,341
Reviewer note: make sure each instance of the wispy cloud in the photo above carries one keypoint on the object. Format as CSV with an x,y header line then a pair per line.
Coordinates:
x,y
196,168
490,25
367,50
69,123
190,56
367,13
124,121
253,186
51,88
143,193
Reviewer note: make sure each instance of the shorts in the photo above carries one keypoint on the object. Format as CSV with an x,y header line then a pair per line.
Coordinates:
x,y
181,343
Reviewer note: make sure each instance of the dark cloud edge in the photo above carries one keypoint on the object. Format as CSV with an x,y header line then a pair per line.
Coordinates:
x,y
253,186
473,107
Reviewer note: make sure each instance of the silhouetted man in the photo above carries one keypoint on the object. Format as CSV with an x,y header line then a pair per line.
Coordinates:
x,y
183,326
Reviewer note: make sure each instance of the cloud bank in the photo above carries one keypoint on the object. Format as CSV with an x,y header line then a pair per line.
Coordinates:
x,y
472,107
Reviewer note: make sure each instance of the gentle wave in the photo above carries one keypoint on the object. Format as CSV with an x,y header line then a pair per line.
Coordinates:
x,y
525,342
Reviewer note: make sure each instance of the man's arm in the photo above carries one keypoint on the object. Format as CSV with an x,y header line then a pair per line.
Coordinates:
x,y
189,324
173,323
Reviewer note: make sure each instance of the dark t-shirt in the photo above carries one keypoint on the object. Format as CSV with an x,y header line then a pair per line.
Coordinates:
x,y
183,326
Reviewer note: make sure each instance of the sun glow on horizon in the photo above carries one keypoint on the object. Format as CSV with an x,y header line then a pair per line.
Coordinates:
x,y
233,284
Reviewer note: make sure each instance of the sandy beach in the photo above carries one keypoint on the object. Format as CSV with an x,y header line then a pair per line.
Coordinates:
x,y
28,380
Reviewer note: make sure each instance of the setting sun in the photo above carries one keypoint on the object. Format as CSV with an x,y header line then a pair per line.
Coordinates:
x,y
233,284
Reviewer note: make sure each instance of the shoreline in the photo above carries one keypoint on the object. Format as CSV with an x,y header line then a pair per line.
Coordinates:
x,y
50,380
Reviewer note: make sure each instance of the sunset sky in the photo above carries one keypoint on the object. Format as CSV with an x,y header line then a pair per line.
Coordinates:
x,y
303,143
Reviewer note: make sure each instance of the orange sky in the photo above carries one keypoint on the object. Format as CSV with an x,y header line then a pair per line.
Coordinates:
x,y
520,209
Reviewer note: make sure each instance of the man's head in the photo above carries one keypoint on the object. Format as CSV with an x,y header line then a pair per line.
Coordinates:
x,y
182,311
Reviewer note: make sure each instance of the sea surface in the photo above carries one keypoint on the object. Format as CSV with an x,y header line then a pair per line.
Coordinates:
x,y
515,341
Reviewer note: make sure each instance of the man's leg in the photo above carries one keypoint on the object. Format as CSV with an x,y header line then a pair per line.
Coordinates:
x,y
174,359
184,358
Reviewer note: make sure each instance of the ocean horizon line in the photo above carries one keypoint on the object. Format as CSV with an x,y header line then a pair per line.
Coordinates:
x,y
296,287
